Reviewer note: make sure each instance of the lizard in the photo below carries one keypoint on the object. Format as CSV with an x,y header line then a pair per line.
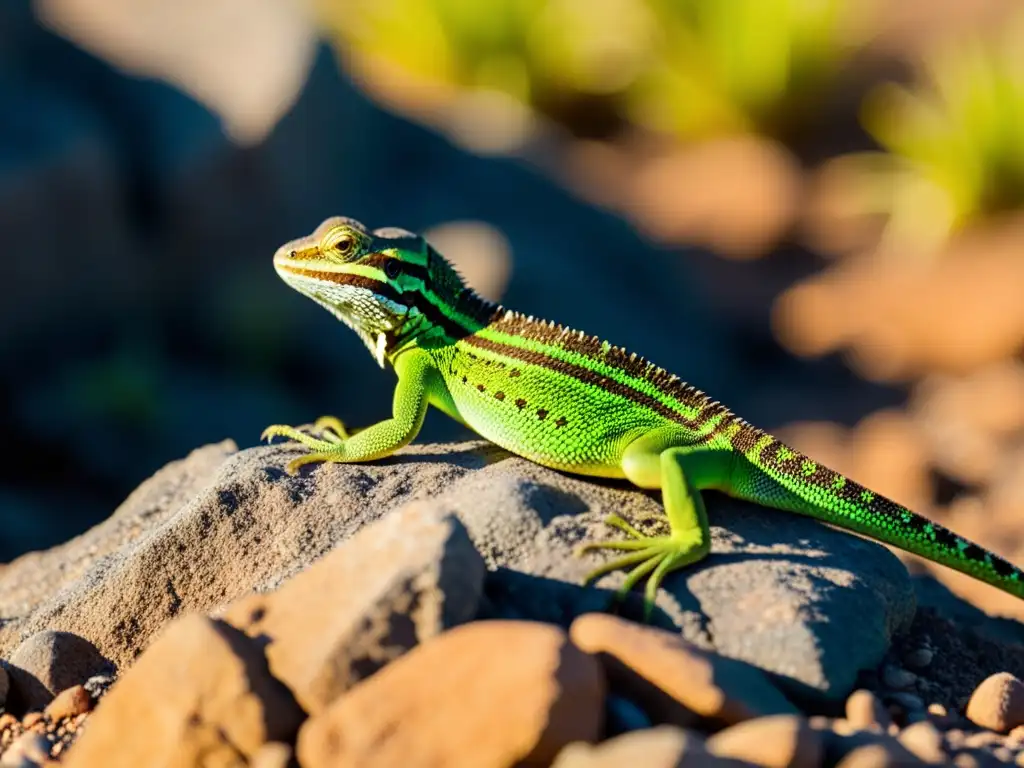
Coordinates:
x,y
567,400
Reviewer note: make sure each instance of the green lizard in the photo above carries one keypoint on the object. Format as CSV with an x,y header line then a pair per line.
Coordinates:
x,y
573,402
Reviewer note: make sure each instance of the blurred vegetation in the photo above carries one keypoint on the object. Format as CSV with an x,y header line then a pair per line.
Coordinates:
x,y
954,138
691,68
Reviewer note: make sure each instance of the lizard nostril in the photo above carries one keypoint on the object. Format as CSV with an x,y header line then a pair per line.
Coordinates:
x,y
293,254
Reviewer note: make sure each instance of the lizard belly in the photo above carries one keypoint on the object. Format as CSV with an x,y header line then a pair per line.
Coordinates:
x,y
569,428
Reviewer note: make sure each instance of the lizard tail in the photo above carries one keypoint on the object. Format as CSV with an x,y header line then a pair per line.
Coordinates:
x,y
777,476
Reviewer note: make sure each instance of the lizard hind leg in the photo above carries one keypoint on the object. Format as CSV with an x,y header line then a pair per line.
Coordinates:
x,y
680,471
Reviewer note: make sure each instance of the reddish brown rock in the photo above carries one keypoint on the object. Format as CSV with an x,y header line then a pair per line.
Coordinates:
x,y
69,703
663,747
200,695
671,678
490,694
778,741
391,586
998,703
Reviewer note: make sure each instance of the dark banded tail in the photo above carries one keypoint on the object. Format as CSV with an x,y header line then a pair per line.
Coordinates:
x,y
778,476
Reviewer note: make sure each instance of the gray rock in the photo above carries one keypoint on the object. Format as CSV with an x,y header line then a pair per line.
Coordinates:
x,y
806,603
49,662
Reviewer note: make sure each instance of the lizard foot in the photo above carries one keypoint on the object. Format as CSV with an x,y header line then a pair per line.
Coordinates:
x,y
652,556
326,431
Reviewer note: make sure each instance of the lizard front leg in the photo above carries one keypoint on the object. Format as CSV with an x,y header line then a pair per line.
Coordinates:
x,y
658,460
416,376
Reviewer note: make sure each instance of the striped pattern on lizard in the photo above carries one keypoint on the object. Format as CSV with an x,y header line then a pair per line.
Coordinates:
x,y
567,400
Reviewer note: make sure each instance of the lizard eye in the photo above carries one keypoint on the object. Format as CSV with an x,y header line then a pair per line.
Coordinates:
x,y
393,268
345,245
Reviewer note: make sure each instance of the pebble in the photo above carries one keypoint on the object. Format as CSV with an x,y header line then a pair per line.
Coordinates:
x,y
273,754
879,754
865,711
909,702
31,719
919,658
898,678
33,747
924,740
776,741
69,703
671,678
998,703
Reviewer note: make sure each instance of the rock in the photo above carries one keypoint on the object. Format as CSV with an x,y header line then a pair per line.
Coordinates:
x,y
201,694
864,711
879,755
671,678
69,702
924,740
273,754
398,582
898,678
29,747
663,747
919,658
819,609
486,694
51,661
998,703
221,525
100,584
777,741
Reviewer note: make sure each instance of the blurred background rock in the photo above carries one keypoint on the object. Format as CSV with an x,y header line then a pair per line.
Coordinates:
x,y
810,208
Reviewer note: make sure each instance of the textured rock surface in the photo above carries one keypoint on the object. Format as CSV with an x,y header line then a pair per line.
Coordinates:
x,y
674,681
808,604
436,705
390,587
201,695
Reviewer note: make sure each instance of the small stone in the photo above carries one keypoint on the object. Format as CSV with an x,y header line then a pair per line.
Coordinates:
x,y
1016,734
777,741
937,710
998,703
273,754
7,720
448,702
1003,754
48,662
671,678
898,678
879,754
69,703
924,740
663,747
31,746
31,719
908,702
201,693
865,711
982,739
919,658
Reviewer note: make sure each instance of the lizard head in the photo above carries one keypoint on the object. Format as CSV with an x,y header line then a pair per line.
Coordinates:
x,y
371,281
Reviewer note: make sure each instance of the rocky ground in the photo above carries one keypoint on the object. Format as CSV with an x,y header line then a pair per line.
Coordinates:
x,y
425,610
